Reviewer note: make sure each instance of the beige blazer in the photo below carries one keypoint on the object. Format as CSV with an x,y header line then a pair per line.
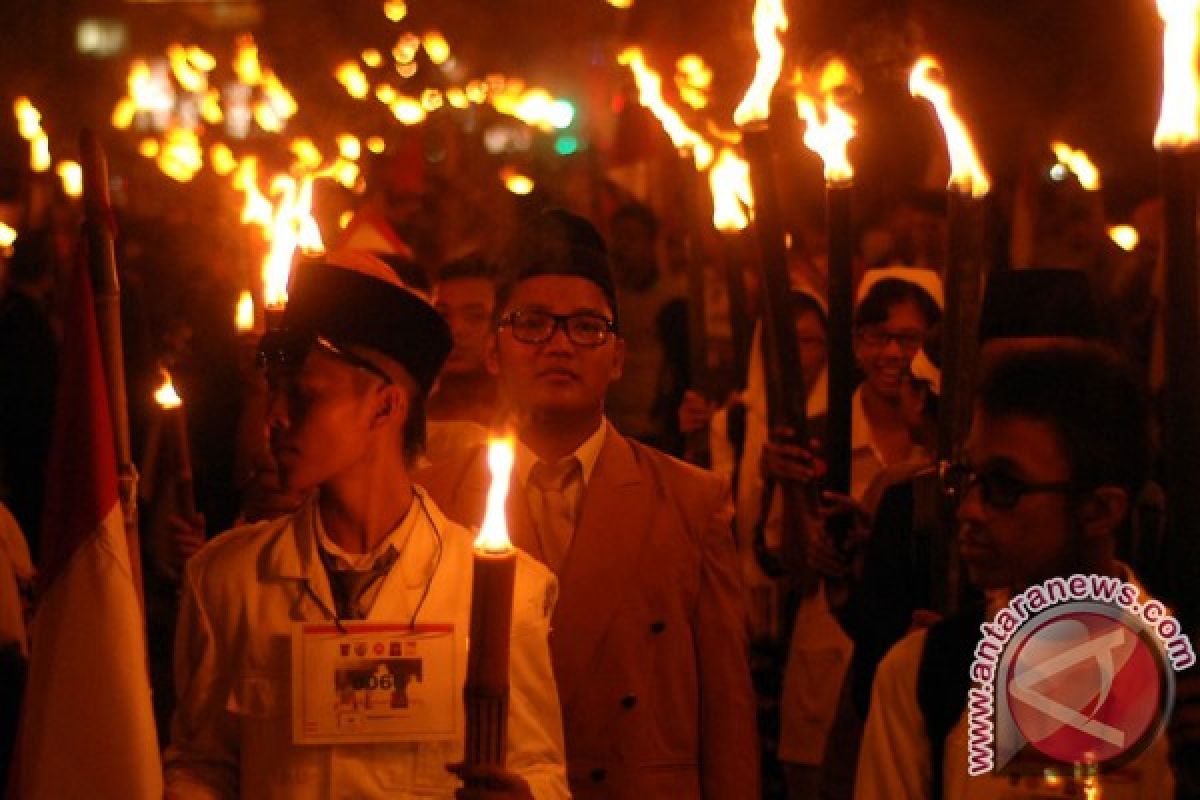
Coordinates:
x,y
232,732
649,636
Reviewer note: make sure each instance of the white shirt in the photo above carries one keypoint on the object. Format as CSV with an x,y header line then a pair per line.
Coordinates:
x,y
587,455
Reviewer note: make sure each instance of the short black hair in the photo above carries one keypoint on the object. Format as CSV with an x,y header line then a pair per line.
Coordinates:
x,y
890,292
557,242
1090,396
473,265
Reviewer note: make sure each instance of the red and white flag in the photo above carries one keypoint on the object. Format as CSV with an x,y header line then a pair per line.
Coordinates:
x,y
87,726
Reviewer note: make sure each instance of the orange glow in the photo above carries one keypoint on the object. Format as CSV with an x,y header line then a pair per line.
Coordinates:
x,y
1125,237
190,78
149,148
350,75
1179,118
147,94
622,4
372,58
376,144
729,181
165,395
201,59
1079,164
408,110
210,107
257,209
493,534
244,316
457,98
395,10
477,92
8,235
829,138
966,171
245,63
406,48
407,70
71,175
29,119
515,182
306,153
770,20
266,117
181,157
431,100
692,79
348,146
344,219
292,228
222,159
123,113
436,47
39,153
386,94
282,102
650,96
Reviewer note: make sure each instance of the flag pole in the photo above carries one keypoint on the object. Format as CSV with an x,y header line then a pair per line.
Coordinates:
x,y
99,230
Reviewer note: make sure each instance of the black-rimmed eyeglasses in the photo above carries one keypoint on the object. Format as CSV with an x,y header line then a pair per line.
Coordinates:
x,y
997,489
537,327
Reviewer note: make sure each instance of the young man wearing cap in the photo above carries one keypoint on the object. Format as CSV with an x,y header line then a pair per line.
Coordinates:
x,y
1058,449
649,639
270,707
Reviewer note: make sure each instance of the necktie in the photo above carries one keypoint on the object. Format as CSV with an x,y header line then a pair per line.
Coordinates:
x,y
555,517
349,586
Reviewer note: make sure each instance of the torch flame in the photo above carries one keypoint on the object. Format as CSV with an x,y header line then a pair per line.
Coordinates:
x,y
71,175
165,395
436,47
8,235
1179,119
1080,165
1125,237
493,535
395,10
245,63
729,180
188,76
829,139
181,157
293,227
650,96
350,75
515,182
39,153
966,172
244,317
770,20
29,119
257,208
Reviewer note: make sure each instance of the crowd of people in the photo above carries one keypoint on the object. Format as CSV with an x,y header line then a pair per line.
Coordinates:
x,y
717,630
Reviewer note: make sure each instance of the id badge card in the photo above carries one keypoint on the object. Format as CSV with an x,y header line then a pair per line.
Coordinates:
x,y
377,682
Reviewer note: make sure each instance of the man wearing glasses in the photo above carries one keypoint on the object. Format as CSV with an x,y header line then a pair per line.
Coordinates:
x,y
649,637
1058,449
272,708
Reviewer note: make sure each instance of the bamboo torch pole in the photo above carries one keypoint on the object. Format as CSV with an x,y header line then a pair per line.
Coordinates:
x,y
99,232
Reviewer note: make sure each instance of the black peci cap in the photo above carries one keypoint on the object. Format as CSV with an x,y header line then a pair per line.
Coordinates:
x,y
353,299
557,242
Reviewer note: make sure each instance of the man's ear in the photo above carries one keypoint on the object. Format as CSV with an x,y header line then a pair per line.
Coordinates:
x,y
1104,511
618,362
392,403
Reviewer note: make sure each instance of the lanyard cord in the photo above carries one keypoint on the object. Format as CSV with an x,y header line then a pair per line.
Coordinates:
x,y
437,562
